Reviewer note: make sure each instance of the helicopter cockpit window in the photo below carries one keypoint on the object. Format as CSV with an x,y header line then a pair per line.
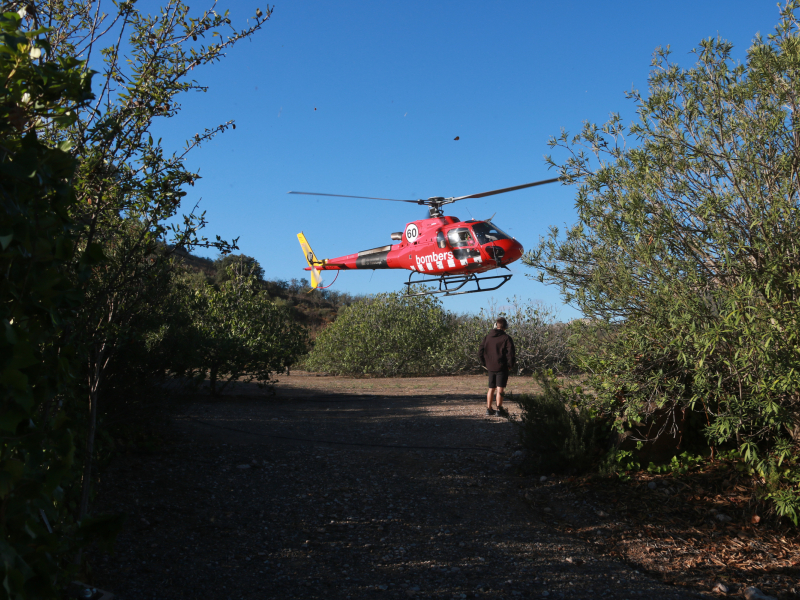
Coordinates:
x,y
459,237
487,232
440,240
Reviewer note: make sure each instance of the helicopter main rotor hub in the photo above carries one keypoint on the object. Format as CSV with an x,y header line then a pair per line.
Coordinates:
x,y
435,206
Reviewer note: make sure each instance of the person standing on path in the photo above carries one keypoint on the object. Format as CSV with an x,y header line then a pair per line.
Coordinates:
x,y
498,355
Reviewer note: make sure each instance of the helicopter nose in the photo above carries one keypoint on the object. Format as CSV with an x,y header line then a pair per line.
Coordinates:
x,y
515,251
504,251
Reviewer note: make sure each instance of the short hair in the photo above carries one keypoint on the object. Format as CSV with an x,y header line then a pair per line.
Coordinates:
x,y
501,322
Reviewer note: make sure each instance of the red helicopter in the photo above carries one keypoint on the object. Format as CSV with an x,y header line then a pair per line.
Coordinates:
x,y
439,250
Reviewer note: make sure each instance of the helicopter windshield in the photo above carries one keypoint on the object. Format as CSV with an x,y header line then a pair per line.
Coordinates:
x,y
459,237
487,232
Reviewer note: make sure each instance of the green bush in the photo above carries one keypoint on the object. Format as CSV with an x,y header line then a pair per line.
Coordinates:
x,y
541,342
231,332
684,259
40,535
387,335
394,334
155,355
557,429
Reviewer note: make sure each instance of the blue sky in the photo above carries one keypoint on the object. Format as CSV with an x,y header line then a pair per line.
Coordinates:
x,y
365,98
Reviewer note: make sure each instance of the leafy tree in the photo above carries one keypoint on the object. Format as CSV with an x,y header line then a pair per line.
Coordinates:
x,y
241,264
86,246
128,186
240,334
685,256
388,334
38,302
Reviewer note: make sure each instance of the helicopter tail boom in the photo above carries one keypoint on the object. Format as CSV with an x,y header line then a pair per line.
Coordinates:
x,y
311,259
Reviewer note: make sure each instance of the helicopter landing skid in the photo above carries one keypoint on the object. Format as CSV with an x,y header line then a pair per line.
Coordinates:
x,y
451,285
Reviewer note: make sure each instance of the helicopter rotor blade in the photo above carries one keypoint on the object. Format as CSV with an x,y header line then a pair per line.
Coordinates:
x,y
362,197
504,190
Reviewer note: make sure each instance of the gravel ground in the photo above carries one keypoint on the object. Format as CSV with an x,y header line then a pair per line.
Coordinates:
x,y
347,489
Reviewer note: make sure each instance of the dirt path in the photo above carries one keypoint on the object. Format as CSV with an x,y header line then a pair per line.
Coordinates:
x,y
345,489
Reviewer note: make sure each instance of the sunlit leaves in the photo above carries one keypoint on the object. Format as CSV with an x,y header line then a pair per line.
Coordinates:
x,y
685,254
389,334
236,333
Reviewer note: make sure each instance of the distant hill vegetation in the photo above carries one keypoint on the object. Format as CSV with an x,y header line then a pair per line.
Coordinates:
x,y
314,310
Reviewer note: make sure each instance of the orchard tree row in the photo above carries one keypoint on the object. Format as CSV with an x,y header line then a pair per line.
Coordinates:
x,y
97,314
395,334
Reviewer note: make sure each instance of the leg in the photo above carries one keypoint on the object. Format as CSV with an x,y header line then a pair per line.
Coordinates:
x,y
502,382
490,393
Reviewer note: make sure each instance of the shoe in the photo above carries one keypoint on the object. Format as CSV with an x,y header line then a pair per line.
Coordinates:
x,y
502,411
490,411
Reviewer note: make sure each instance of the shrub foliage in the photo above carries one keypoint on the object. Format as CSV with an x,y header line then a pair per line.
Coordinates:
x,y
236,333
685,256
40,534
558,430
388,334
394,334
91,311
540,341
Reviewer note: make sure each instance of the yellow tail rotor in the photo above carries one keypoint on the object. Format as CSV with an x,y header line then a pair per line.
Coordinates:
x,y
311,259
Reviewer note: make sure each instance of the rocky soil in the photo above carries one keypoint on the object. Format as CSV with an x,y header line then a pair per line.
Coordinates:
x,y
341,488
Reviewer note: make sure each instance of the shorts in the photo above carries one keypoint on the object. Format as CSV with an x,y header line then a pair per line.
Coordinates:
x,y
498,379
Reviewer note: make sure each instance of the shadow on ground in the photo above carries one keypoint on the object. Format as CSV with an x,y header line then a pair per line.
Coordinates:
x,y
343,495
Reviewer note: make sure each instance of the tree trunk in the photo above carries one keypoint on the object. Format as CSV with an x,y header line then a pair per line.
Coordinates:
x,y
212,380
89,454
95,375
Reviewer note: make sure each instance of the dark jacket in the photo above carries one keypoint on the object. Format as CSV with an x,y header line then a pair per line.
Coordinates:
x,y
497,352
